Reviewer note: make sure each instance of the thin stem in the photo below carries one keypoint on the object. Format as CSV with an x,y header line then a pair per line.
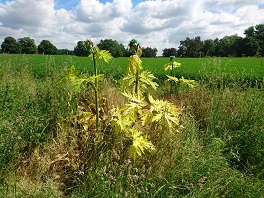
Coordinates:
x,y
96,93
137,83
171,83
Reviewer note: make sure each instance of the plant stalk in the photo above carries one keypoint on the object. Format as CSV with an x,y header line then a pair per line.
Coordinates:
x,y
171,83
137,83
96,93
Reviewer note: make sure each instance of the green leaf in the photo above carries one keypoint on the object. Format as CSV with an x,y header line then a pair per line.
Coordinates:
x,y
105,55
135,98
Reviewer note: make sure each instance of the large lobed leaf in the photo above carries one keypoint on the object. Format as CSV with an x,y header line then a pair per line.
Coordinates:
x,y
134,64
147,78
140,143
78,80
161,112
169,66
101,54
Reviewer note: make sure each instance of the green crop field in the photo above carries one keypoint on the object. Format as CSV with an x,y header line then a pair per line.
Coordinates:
x,y
226,69
217,152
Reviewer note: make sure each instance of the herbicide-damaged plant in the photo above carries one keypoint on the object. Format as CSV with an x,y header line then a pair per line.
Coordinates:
x,y
90,114
136,80
180,82
142,119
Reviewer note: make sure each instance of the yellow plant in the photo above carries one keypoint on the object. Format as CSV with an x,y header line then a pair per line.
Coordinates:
x,y
182,82
80,80
132,119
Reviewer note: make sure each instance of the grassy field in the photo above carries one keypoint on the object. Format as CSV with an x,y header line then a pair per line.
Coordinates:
x,y
218,153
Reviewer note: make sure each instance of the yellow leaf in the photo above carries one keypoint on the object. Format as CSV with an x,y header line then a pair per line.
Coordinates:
x,y
162,112
168,66
134,64
140,144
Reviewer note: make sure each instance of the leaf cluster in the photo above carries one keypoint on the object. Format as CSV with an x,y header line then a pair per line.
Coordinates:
x,y
98,54
80,81
180,82
140,119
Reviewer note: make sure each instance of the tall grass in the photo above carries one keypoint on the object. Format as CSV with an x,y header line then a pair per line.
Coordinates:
x,y
43,152
31,110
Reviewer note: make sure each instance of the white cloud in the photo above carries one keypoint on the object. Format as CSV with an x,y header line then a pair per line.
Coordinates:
x,y
154,23
91,11
27,13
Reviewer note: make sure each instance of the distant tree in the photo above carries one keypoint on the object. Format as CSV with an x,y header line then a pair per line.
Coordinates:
x,y
81,49
47,47
167,52
259,35
112,46
254,40
250,46
65,52
149,52
217,46
234,45
10,45
190,47
208,48
126,52
259,30
230,46
27,45
249,32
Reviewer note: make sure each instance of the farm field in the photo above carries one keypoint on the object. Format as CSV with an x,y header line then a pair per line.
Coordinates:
x,y
224,69
218,151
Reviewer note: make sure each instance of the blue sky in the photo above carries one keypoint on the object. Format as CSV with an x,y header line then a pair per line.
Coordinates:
x,y
154,23
69,4
261,6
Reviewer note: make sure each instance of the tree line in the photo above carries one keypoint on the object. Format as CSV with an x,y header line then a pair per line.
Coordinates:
x,y
27,45
229,46
235,46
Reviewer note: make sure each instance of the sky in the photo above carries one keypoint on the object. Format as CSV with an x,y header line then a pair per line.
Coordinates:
x,y
154,23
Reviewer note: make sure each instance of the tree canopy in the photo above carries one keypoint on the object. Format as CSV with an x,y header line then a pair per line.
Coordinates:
x,y
190,47
46,47
236,46
27,45
81,49
116,49
10,45
167,52
149,52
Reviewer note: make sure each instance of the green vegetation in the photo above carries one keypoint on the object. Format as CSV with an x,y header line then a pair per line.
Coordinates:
x,y
243,71
44,151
